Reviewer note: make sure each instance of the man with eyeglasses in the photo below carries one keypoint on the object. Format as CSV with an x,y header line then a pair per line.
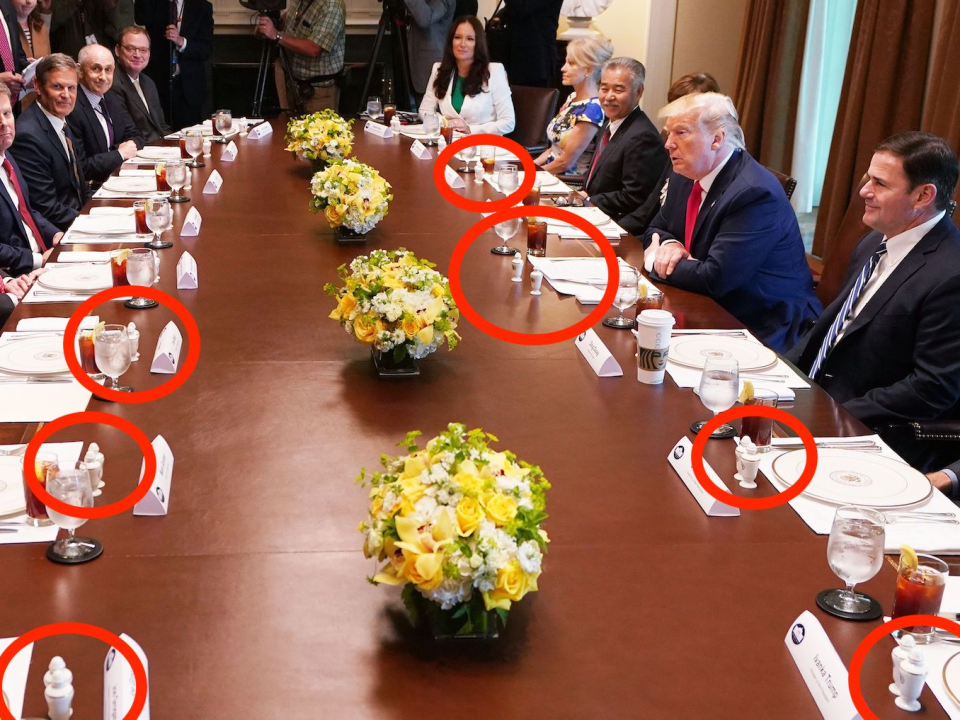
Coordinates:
x,y
135,89
99,123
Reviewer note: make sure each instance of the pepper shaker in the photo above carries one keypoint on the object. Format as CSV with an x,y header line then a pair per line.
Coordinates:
x,y
517,263
537,278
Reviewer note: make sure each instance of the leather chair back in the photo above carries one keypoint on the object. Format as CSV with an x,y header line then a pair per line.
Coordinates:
x,y
534,108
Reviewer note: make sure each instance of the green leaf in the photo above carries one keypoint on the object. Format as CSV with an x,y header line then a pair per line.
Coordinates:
x,y
410,602
503,615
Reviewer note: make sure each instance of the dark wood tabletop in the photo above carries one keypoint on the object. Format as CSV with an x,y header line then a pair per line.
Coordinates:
x,y
250,598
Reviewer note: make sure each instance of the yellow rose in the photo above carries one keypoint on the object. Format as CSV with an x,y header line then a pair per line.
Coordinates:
x,y
333,217
437,291
410,327
414,465
424,571
366,329
512,584
412,489
499,508
346,305
469,515
468,483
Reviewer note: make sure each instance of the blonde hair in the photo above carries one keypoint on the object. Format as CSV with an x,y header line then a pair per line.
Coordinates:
x,y
590,53
714,112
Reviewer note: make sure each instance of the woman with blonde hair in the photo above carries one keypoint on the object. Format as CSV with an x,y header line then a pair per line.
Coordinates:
x,y
575,126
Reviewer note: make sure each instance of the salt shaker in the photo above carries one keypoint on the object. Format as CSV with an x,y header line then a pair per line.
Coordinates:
x,y
751,464
746,445
395,124
914,672
517,263
478,172
900,653
94,466
441,144
207,145
536,277
56,663
133,335
59,695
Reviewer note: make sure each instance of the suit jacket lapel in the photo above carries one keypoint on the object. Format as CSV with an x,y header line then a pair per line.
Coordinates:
x,y
719,186
617,137
84,106
52,134
132,91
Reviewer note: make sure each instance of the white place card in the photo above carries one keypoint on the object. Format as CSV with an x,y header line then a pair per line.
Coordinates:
x,y
213,184
822,669
375,128
119,685
453,178
592,348
230,152
420,151
187,272
679,459
191,223
167,355
157,500
260,131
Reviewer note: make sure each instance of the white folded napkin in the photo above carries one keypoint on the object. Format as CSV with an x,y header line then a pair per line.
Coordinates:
x,y
112,210
104,224
76,256
923,537
54,324
137,172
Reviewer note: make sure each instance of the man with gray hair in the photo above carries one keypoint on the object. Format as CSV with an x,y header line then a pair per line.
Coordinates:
x,y
629,158
725,227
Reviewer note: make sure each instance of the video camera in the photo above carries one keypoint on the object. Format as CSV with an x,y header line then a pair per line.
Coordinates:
x,y
270,8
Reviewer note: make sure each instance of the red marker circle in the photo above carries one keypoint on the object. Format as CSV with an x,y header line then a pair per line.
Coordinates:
x,y
519,338
700,442
83,418
440,179
88,630
193,352
856,664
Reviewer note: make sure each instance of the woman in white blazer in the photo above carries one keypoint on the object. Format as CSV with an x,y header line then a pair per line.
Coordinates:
x,y
471,92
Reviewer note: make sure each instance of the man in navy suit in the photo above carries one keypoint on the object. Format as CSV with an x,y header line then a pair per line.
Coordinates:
x,y
44,147
725,227
134,88
101,128
26,238
888,347
181,35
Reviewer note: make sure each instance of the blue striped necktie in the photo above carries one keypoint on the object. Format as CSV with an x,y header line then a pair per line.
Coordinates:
x,y
849,304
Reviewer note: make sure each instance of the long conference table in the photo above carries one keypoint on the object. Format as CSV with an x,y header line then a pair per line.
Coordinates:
x,y
250,598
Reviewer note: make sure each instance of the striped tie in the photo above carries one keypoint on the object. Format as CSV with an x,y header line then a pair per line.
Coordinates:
x,y
849,304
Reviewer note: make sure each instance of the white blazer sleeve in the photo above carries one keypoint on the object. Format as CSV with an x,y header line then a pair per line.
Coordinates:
x,y
504,119
429,102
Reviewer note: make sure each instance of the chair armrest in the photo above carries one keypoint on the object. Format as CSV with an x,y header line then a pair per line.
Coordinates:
x,y
948,430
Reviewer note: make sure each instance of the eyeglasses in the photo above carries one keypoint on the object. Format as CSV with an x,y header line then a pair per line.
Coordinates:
x,y
136,50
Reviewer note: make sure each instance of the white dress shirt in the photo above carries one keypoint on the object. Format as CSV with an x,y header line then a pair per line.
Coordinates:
x,y
898,247
31,239
95,103
615,124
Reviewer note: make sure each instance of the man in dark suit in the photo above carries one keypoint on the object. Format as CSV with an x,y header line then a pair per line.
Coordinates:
x,y
44,147
947,481
26,238
726,229
532,41
888,347
12,291
630,157
135,89
181,36
101,128
12,58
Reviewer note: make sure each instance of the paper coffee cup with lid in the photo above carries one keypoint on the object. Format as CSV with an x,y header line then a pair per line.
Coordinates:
x,y
653,344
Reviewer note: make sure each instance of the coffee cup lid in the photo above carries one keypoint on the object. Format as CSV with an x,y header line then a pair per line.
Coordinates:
x,y
656,317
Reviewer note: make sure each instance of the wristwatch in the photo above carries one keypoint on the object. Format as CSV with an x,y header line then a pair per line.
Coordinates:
x,y
279,38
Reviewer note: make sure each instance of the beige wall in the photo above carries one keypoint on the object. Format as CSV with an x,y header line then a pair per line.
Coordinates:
x,y
707,39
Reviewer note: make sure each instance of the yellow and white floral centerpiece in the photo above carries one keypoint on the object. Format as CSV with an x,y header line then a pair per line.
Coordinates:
x,y
458,525
320,137
396,303
350,195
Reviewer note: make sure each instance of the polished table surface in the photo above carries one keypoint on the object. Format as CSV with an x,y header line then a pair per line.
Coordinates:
x,y
250,598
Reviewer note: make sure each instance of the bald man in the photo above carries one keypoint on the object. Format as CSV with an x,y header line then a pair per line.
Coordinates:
x,y
100,125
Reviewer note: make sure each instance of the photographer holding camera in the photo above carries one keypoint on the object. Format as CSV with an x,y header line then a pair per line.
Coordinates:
x,y
313,40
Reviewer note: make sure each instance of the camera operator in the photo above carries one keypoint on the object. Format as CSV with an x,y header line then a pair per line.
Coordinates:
x,y
313,40
427,36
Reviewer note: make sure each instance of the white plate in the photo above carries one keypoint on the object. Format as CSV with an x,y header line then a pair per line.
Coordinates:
x,y
847,477
103,224
131,184
34,356
12,501
78,277
159,153
692,351
951,677
546,179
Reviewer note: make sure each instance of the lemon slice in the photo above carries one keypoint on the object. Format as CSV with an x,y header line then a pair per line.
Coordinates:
x,y
643,292
908,558
122,256
747,393
98,328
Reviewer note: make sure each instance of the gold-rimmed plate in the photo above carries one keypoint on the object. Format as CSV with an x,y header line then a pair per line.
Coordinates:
x,y
693,351
951,677
41,355
848,477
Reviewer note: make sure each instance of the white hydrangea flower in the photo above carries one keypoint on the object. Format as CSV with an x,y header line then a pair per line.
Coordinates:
x,y
530,557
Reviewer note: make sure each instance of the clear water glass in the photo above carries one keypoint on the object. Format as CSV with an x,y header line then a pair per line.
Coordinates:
x,y
176,179
628,292
142,272
855,554
374,107
111,347
506,230
194,146
71,486
467,154
508,179
224,122
719,387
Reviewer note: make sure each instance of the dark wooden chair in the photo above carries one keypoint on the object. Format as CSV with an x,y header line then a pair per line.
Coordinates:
x,y
534,108
789,184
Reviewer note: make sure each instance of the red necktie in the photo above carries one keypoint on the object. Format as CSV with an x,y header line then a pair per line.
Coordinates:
x,y
6,53
3,287
693,209
596,155
24,210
